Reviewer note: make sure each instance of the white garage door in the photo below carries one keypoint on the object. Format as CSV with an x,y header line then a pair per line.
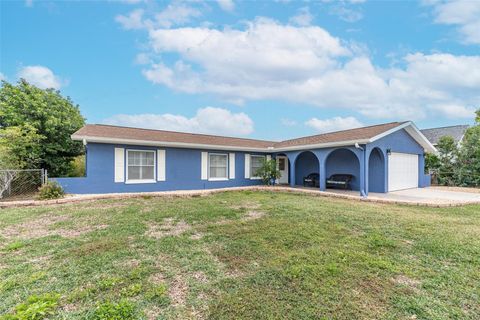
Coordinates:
x,y
402,171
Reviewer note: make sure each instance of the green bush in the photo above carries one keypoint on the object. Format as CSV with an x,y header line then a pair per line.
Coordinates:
x,y
36,307
77,167
115,311
51,190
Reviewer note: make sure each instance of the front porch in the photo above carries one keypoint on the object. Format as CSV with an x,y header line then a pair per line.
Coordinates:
x,y
366,166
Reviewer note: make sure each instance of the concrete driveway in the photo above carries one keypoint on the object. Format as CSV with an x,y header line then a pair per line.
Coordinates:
x,y
431,195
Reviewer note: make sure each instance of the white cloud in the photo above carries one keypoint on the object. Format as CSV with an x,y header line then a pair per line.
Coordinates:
x,y
134,20
40,76
454,111
302,18
462,13
346,14
207,120
142,58
288,122
174,14
266,60
2,77
226,5
333,124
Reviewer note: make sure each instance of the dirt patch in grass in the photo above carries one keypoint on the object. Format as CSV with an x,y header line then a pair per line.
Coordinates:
x,y
196,236
35,228
152,313
168,228
178,291
246,206
253,215
407,282
42,227
200,277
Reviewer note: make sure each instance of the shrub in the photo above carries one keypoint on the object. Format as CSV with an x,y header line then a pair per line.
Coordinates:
x,y
51,190
36,307
115,311
268,172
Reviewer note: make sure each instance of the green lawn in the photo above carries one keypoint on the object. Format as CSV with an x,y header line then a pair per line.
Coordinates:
x,y
240,255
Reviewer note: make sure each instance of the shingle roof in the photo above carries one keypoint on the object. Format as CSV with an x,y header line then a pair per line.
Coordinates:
x,y
434,134
127,133
116,132
344,135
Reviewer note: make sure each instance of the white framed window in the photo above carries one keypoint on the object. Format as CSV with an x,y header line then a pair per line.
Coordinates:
x,y
217,166
255,164
140,166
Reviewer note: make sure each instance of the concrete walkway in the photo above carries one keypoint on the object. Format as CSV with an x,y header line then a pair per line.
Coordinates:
x,y
433,197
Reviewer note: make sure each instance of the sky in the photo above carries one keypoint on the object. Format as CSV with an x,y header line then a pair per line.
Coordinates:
x,y
270,70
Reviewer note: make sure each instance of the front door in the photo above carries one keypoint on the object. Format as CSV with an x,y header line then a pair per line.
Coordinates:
x,y
282,166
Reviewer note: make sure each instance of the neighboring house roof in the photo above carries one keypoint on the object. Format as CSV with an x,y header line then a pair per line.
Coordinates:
x,y
126,135
434,134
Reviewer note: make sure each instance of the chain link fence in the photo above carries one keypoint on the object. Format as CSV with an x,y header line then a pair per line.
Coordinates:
x,y
21,184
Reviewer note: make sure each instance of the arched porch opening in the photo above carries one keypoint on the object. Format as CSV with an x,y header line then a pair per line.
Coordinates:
x,y
376,171
306,163
343,162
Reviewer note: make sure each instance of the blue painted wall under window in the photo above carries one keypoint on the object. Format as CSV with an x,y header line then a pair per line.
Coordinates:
x,y
183,172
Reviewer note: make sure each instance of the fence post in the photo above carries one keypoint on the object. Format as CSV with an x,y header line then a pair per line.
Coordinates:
x,y
46,175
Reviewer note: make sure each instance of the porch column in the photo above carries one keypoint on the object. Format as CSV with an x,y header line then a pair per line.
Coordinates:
x,y
323,176
421,170
361,157
292,156
321,156
366,160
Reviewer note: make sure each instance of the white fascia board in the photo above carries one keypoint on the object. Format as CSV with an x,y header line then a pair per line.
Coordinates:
x,y
167,144
421,139
322,145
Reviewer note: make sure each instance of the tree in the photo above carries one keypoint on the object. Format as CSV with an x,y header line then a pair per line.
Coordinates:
x,y
468,173
447,155
19,147
268,172
53,117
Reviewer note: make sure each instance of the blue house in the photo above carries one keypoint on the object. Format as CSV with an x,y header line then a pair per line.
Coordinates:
x,y
380,158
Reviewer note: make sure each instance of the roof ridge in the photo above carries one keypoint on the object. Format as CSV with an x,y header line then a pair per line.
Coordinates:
x,y
181,132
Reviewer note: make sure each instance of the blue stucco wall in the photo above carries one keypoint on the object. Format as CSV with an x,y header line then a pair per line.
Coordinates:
x,y
183,172
376,171
305,164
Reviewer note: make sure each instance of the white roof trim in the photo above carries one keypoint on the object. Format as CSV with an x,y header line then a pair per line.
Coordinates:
x,y
166,144
413,131
322,145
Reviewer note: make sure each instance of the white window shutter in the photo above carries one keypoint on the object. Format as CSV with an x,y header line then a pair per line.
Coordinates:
x,y
231,166
204,165
247,166
119,165
269,157
161,165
